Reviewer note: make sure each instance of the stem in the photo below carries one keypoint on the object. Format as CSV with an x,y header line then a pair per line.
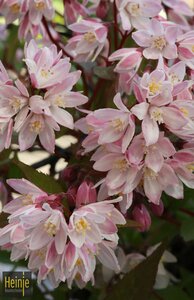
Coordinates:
x,y
187,211
116,25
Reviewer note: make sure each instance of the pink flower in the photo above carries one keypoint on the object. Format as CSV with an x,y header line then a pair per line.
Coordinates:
x,y
157,39
72,10
154,155
60,97
183,165
155,88
13,99
4,77
186,49
28,194
6,128
89,41
154,183
123,176
156,113
49,226
11,9
94,222
39,125
45,65
187,108
129,59
80,263
112,124
136,12
27,30
181,7
37,9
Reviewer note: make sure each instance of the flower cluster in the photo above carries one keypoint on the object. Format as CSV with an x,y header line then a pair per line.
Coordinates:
x,y
62,248
30,14
41,112
134,129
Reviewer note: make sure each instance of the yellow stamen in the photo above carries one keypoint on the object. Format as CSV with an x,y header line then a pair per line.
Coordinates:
x,y
90,37
117,124
159,42
82,225
50,228
134,9
40,5
184,111
15,8
156,115
154,87
121,164
27,200
149,173
190,167
36,126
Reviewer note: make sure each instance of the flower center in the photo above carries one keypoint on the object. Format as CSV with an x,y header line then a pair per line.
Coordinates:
x,y
156,115
15,8
190,167
154,87
40,5
36,126
192,48
174,78
59,101
27,200
134,9
15,104
117,124
159,42
82,225
46,73
121,164
50,228
90,37
184,111
79,262
149,173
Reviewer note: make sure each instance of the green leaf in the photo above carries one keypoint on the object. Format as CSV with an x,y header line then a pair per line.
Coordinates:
x,y
173,292
137,284
187,231
105,72
44,182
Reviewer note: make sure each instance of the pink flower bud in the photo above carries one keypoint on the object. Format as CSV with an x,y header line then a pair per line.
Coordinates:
x,y
102,9
157,209
85,194
68,174
142,216
71,195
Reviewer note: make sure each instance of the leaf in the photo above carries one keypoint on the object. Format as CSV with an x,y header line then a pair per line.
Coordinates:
x,y
137,284
105,72
187,231
44,182
173,292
